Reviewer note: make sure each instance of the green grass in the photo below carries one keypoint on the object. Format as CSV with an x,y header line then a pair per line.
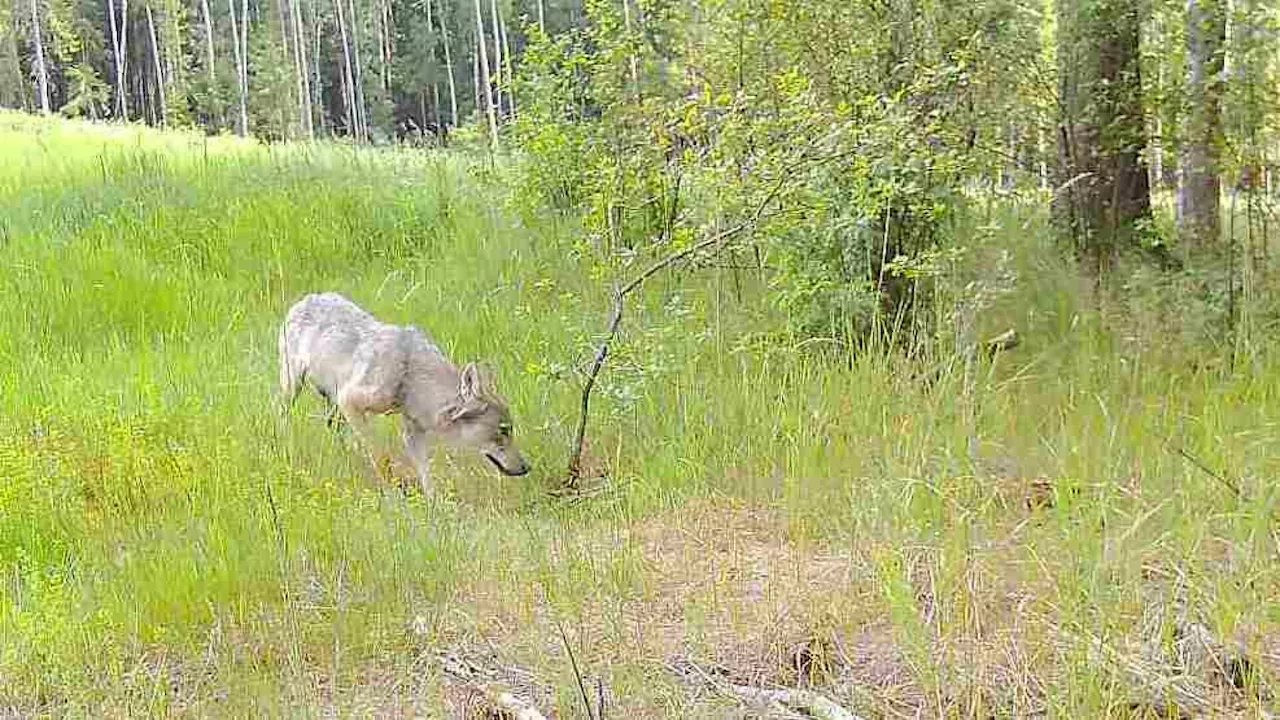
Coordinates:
x,y
170,545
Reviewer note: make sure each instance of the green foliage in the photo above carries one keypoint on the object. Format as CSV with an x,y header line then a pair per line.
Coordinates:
x,y
89,96
654,133
169,543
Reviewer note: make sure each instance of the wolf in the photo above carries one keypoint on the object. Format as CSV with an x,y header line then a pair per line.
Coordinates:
x,y
362,367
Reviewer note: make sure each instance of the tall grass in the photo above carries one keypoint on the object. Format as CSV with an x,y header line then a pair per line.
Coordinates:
x,y
170,543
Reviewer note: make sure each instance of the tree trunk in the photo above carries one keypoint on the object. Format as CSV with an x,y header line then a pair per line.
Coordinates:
x,y
448,68
475,75
210,61
388,41
542,18
300,62
41,71
507,67
161,100
435,84
1102,183
1199,222
124,58
348,76
317,80
283,15
362,114
117,51
631,56
498,83
483,59
242,117
244,67
380,34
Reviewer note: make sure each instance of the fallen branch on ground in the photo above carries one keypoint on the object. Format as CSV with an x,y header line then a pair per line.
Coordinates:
x,y
514,705
1003,342
495,693
806,703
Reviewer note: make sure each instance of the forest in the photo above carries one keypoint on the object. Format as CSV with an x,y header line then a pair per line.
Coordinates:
x,y
874,358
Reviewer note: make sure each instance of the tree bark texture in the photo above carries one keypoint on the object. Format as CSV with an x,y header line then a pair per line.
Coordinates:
x,y
242,91
40,69
117,51
348,75
483,59
362,114
1103,191
162,113
448,68
300,63
1199,221
498,85
210,66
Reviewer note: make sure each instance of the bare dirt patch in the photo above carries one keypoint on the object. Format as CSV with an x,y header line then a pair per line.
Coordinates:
x,y
728,590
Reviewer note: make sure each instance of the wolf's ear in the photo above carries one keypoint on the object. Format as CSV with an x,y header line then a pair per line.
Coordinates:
x,y
472,383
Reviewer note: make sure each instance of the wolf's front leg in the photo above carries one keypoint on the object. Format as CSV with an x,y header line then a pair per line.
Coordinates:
x,y
418,443
358,421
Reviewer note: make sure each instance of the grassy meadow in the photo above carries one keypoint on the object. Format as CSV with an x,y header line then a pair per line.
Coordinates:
x,y
1087,529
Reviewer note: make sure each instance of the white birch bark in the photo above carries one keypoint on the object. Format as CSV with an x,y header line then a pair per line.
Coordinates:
x,y
163,113
448,68
483,60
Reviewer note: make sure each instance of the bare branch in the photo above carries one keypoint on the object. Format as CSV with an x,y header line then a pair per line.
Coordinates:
x,y
716,242
582,688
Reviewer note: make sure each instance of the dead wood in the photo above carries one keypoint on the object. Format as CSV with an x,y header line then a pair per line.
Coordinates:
x,y
789,702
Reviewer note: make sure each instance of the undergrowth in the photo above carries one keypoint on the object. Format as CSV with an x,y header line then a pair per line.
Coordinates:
x,y
169,542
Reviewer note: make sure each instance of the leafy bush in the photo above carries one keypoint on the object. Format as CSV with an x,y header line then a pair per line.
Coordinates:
x,y
659,129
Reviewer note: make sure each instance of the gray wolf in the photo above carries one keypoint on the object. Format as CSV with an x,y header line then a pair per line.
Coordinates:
x,y
364,367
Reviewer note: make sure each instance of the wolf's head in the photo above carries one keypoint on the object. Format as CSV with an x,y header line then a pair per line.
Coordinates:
x,y
479,418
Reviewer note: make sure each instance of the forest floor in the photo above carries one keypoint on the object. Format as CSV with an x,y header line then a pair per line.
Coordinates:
x,y
1088,528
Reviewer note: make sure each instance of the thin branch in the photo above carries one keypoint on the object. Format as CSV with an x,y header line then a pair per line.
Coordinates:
x,y
582,688
1226,481
619,297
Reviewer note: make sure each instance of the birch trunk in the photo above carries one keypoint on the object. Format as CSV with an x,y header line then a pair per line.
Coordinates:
x,y
631,56
380,36
317,83
388,46
542,18
122,100
482,57
511,76
448,68
288,54
42,72
242,117
498,84
347,74
210,67
244,55
300,62
361,112
475,76
163,112
124,56
435,84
